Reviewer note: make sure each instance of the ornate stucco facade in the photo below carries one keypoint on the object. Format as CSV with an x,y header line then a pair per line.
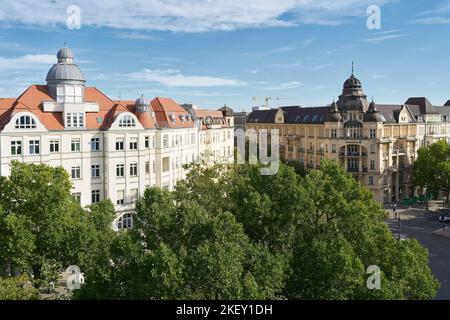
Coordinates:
x,y
111,149
376,143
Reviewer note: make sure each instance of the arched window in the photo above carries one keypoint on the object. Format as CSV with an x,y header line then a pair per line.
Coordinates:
x,y
127,121
25,122
125,221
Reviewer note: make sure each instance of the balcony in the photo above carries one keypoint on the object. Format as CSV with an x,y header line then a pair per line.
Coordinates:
x,y
398,152
310,150
301,149
355,170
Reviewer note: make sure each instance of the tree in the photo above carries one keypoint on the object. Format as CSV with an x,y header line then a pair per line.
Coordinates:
x,y
431,170
227,232
17,288
341,234
181,251
43,229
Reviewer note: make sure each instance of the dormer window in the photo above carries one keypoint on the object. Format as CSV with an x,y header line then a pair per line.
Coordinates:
x,y
25,122
127,121
75,120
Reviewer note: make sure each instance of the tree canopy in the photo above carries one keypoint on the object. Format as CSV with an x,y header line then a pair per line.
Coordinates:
x,y
431,170
227,232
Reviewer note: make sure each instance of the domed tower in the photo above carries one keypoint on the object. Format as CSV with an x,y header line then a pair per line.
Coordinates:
x,y
144,112
372,114
352,97
333,114
65,81
142,104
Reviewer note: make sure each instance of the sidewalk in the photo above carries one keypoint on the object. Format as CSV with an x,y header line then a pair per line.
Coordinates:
x,y
445,234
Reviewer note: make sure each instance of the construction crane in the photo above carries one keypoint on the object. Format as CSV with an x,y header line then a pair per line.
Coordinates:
x,y
268,98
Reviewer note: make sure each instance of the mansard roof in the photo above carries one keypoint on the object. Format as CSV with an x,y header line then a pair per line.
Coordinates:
x,y
292,115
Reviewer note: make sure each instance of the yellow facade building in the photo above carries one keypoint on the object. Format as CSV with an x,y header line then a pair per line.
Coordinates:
x,y
376,143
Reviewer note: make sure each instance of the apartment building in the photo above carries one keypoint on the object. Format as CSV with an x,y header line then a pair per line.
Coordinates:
x,y
111,149
376,143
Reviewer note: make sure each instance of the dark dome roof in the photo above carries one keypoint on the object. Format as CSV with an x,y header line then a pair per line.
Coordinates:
x,y
227,111
352,82
372,114
333,114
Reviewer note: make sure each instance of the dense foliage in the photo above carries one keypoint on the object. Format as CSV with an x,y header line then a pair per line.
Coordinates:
x,y
432,167
225,232
228,232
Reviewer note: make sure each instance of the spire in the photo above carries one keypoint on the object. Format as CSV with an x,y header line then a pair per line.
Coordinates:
x,y
353,68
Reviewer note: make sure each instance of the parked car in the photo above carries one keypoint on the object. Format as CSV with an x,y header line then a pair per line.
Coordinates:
x,y
444,218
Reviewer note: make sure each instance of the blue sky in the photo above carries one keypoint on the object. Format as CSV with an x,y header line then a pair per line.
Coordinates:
x,y
220,52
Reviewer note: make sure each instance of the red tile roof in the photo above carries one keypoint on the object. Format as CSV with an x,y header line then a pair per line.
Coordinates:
x,y
32,98
167,109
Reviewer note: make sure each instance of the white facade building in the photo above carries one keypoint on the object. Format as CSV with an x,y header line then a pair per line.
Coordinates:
x,y
111,149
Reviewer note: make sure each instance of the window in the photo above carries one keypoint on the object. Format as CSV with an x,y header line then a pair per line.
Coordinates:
x,y
133,170
147,167
34,146
69,94
373,133
25,122
16,148
95,196
372,164
127,121
120,196
334,133
77,196
120,170
165,141
119,144
134,193
75,120
370,180
147,142
133,144
166,164
125,221
95,144
54,146
372,148
76,172
192,138
333,148
95,171
75,145
154,166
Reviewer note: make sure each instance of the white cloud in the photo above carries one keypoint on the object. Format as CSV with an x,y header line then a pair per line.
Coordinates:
x,y
287,86
174,78
135,36
433,20
185,15
380,37
29,61
323,66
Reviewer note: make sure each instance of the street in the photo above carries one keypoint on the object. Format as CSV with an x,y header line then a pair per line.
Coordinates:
x,y
416,223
